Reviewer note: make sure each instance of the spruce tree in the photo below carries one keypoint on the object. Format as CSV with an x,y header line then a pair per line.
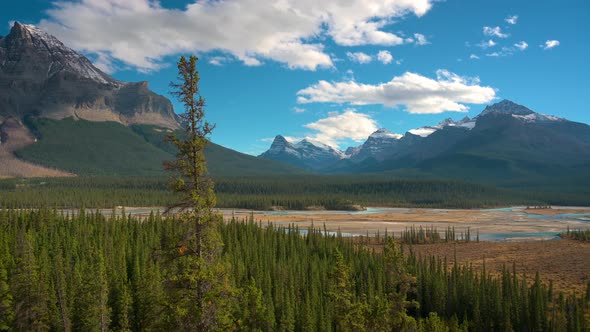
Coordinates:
x,y
6,301
199,281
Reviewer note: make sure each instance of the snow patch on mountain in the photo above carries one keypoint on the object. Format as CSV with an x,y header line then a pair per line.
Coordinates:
x,y
466,123
66,58
536,117
423,132
384,133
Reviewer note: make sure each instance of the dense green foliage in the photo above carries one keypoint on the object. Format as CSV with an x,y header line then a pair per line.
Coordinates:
x,y
88,272
109,148
294,192
94,148
429,235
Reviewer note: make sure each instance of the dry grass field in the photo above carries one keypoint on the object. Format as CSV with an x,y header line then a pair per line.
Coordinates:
x,y
566,262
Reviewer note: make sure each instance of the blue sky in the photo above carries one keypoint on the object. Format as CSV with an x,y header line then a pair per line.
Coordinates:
x,y
335,73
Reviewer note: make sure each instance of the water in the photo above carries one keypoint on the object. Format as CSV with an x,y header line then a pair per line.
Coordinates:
x,y
370,210
503,237
574,217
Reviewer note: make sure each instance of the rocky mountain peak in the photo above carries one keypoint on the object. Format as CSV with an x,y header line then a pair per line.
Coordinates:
x,y
279,142
31,51
40,76
384,133
506,107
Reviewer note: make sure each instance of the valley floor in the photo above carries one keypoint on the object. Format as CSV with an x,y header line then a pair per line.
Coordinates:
x,y
507,224
514,224
565,262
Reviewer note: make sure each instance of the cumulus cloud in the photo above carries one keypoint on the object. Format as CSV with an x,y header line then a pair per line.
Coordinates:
x,y
511,19
105,63
473,56
550,44
385,57
359,57
417,93
298,110
141,33
494,32
420,39
349,124
522,45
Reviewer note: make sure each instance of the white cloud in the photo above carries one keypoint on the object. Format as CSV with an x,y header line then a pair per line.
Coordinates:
x,y
473,56
505,51
348,75
385,57
298,110
219,60
550,44
292,139
494,32
266,139
420,39
105,63
419,94
487,44
522,45
359,57
340,126
141,33
511,19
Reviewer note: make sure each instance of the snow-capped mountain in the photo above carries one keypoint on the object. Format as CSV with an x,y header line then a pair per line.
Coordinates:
x,y
59,57
40,76
303,153
507,107
426,131
503,130
376,146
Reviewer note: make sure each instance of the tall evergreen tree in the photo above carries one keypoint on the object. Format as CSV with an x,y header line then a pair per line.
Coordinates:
x,y
348,315
399,283
6,301
31,312
200,276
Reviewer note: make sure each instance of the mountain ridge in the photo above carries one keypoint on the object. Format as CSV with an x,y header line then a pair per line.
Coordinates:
x,y
41,77
504,133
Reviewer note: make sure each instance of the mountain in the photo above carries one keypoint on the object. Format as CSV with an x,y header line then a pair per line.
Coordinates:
x,y
40,76
107,148
302,154
62,116
376,146
506,141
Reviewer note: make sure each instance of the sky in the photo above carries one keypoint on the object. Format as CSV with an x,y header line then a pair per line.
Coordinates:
x,y
335,71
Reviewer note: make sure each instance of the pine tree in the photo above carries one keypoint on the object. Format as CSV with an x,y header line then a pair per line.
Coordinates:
x,y
347,314
6,301
400,283
201,285
31,312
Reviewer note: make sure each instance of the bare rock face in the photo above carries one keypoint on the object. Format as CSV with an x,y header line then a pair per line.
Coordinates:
x,y
40,76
